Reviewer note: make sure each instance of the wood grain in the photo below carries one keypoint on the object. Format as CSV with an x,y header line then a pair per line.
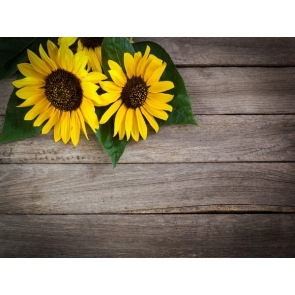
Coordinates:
x,y
213,235
228,51
225,90
148,188
217,139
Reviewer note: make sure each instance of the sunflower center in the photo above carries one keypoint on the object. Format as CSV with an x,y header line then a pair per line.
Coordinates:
x,y
134,93
63,90
91,42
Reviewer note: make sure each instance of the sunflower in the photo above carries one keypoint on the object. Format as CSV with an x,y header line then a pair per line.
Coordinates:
x,y
60,91
136,95
91,46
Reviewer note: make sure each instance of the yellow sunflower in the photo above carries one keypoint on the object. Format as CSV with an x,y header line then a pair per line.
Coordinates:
x,y
60,91
92,48
137,95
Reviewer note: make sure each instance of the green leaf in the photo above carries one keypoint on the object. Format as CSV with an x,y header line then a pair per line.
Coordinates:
x,y
9,61
15,127
182,110
112,49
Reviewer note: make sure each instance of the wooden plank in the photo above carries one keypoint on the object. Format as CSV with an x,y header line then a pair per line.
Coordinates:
x,y
228,51
201,235
225,90
148,188
217,139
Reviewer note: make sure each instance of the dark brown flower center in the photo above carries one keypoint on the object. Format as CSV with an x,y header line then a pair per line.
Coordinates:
x,y
134,93
91,42
63,90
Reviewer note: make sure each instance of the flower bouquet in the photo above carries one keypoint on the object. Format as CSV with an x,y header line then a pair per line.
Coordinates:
x,y
119,89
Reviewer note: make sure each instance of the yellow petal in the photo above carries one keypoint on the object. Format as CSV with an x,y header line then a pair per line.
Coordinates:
x,y
111,110
156,113
119,79
57,131
163,97
82,123
142,63
109,86
129,64
75,128
68,40
108,98
120,118
52,51
89,114
89,91
28,71
28,91
129,121
158,105
94,77
115,66
38,108
141,124
46,58
44,116
122,131
38,64
32,100
150,119
134,130
80,62
155,77
29,81
52,121
152,67
65,122
161,86
94,61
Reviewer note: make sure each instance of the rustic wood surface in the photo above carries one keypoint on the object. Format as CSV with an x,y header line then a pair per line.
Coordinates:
x,y
223,189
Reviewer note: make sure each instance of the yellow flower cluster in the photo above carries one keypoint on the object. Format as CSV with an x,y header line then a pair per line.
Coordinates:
x,y
61,86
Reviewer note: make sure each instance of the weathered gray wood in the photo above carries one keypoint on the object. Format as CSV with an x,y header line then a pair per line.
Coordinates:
x,y
217,139
228,51
148,188
225,90
213,235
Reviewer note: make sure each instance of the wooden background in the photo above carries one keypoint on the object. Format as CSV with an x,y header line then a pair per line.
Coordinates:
x,y
223,189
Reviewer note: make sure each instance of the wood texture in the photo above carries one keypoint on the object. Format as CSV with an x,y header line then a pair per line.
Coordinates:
x,y
225,90
223,189
221,235
172,188
228,51
217,139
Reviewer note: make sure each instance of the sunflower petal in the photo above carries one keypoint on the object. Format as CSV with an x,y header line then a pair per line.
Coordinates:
x,y
29,81
28,71
152,67
156,113
155,77
37,109
109,86
75,128
80,62
32,100
150,119
129,64
134,130
65,127
51,122
94,61
129,121
89,114
52,51
111,110
28,91
161,86
82,122
38,64
120,118
44,116
94,77
108,98
119,79
46,58
141,124
163,97
57,131
158,105
68,40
